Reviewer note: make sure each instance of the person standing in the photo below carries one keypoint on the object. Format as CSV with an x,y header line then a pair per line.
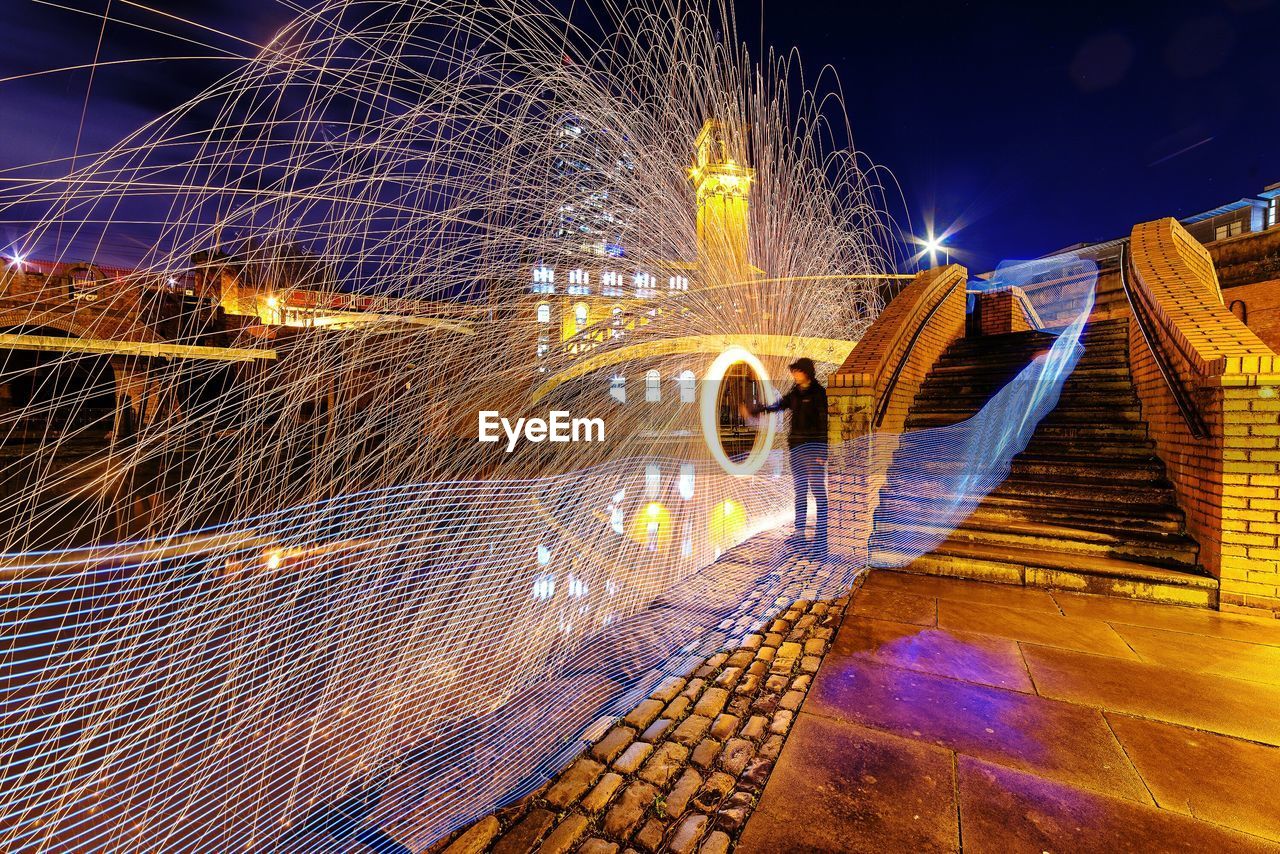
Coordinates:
x,y
807,445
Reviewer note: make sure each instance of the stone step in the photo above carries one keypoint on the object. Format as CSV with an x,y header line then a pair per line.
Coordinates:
x,y
1091,358
1082,573
1170,550
1129,518
1084,489
980,392
984,373
1092,418
1077,447
1021,341
960,400
1131,470
1092,432
1033,489
1136,518
1135,470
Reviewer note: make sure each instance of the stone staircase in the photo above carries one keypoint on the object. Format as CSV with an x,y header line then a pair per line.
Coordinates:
x,y
1086,506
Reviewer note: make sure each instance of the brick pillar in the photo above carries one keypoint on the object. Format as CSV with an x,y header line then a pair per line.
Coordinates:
x,y
860,459
1007,310
1227,481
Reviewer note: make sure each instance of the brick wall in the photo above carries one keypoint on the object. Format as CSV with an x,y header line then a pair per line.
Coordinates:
x,y
1251,257
1259,304
1227,483
1006,310
858,468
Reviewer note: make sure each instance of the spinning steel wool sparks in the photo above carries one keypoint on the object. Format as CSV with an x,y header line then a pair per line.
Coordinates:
x,y
263,585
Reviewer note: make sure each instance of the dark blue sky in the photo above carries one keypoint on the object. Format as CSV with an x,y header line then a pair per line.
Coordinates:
x,y
1028,126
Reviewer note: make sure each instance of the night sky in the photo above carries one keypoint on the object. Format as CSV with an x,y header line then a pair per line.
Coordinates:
x,y
1020,127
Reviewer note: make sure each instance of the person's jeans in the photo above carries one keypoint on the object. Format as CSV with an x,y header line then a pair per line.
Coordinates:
x,y
809,472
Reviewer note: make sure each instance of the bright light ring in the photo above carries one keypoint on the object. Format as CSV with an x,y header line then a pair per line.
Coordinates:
x,y
710,412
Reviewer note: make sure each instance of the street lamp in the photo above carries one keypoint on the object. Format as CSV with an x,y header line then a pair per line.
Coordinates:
x,y
934,245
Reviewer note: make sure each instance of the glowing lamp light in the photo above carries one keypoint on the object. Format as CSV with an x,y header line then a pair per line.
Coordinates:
x,y
933,245
651,527
709,407
273,560
727,524
272,302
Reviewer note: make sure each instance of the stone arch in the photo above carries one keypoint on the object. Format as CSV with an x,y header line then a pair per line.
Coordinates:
x,y
69,324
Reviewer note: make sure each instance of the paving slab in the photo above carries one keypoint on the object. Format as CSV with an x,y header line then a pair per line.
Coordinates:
x,y
1004,811
970,657
1217,778
1084,635
1177,618
1059,740
1216,703
1199,653
1143,727
843,788
895,605
1008,595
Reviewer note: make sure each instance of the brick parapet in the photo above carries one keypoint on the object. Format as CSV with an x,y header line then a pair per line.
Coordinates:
x,y
1228,482
855,390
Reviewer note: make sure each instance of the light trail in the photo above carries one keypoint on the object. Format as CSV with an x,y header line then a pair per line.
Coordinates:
x,y
238,596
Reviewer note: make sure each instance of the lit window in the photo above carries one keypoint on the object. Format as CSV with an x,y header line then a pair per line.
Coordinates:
x,y
544,313
643,283
544,280
580,314
1230,229
579,281
652,480
544,587
611,283
618,388
652,386
1273,206
688,386
685,483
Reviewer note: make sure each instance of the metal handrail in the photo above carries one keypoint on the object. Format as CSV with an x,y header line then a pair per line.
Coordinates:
x,y
1146,326
882,405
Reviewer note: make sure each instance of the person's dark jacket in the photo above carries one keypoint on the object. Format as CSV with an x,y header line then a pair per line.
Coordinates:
x,y
808,414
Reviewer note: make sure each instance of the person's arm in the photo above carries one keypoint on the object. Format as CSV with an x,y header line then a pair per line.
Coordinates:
x,y
782,403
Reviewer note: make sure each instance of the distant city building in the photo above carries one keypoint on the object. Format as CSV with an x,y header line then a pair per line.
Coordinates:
x,y
591,167
1243,238
594,294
